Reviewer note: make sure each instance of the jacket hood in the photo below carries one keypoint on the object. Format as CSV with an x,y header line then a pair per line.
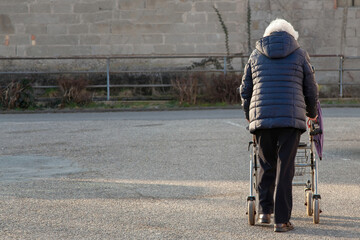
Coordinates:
x,y
277,45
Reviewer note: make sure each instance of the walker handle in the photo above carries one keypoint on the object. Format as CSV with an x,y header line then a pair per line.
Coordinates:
x,y
315,131
314,127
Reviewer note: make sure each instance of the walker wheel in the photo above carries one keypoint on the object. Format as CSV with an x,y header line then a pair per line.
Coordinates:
x,y
251,212
308,203
316,217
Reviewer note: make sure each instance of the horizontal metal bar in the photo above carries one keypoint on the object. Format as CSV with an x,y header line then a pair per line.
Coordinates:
x,y
307,147
119,72
174,71
355,57
115,98
351,69
113,86
167,85
326,84
327,70
134,56
349,84
337,70
64,72
130,85
303,165
90,57
299,184
325,55
141,85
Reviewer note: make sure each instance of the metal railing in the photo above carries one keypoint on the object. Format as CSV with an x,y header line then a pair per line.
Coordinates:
x,y
109,71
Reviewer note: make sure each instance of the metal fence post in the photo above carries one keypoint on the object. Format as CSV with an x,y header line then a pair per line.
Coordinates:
x,y
341,75
108,78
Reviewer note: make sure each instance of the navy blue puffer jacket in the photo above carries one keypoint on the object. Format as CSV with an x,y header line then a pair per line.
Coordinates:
x,y
278,87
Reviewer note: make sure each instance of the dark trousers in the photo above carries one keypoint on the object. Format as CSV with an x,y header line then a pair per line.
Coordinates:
x,y
277,151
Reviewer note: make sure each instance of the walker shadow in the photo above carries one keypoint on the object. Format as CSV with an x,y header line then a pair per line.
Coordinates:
x,y
330,226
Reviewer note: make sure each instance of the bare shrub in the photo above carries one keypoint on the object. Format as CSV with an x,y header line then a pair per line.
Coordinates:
x,y
328,91
351,91
74,91
186,88
223,88
17,94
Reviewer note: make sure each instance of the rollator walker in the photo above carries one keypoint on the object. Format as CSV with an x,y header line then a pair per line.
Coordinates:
x,y
306,167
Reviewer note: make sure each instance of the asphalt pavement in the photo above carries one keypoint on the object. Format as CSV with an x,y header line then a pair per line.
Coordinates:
x,y
159,175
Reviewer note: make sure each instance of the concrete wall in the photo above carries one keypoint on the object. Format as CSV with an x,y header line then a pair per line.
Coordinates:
x,y
83,27
88,27
103,27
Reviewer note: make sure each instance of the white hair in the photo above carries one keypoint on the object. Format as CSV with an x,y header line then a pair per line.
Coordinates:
x,y
281,25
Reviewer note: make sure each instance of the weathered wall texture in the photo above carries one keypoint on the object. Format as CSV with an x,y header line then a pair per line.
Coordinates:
x,y
112,27
83,27
100,27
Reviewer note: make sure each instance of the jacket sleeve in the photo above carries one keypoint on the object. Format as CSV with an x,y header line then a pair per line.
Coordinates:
x,y
246,89
310,88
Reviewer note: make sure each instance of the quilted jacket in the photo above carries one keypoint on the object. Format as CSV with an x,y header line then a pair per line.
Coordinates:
x,y
278,88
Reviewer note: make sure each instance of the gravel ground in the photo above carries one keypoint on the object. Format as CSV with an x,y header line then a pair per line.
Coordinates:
x,y
158,175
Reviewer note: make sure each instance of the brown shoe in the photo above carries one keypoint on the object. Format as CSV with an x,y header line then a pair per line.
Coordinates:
x,y
283,227
264,218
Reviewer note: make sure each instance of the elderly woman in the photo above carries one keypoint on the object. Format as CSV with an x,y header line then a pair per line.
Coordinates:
x,y
278,91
